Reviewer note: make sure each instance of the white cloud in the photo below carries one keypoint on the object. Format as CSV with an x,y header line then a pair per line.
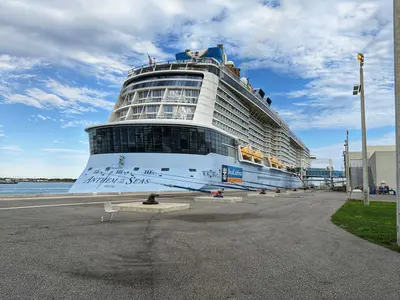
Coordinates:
x,y
18,98
83,142
97,36
44,118
1,131
80,95
10,148
309,39
335,151
331,103
70,100
77,123
64,151
11,63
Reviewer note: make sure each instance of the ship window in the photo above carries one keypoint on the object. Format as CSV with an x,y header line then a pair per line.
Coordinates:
x,y
192,170
158,93
152,108
164,169
168,108
159,139
136,110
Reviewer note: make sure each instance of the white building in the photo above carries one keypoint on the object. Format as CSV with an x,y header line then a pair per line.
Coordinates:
x,y
381,166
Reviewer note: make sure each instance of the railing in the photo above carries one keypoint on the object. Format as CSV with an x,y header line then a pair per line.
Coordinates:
x,y
143,101
180,100
149,68
150,100
173,115
166,116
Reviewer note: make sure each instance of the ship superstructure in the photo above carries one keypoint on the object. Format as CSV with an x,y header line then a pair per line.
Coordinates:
x,y
191,123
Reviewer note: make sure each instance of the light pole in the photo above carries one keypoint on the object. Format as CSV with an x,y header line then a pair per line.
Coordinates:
x,y
360,89
330,173
347,164
396,34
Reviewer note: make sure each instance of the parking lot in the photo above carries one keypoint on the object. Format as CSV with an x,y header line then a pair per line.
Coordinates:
x,y
260,248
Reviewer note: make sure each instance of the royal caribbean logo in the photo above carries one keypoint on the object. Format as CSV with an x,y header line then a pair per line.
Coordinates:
x,y
232,174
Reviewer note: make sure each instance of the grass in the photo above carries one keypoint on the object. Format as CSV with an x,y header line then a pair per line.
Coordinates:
x,y
375,223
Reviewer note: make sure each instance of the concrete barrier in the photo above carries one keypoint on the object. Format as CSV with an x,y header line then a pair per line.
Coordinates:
x,y
156,208
215,199
267,194
356,195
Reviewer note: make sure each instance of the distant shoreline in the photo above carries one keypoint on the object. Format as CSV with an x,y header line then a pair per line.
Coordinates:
x,y
16,180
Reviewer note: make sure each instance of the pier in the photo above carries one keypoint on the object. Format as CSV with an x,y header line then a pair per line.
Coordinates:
x,y
58,247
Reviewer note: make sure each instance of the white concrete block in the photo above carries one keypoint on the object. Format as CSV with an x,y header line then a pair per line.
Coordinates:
x,y
153,208
356,195
262,195
213,199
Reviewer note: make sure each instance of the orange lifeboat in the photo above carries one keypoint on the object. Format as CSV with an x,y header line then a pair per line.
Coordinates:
x,y
273,162
247,152
258,156
280,166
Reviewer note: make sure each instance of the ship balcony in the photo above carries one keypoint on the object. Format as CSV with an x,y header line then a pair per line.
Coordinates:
x,y
168,100
169,116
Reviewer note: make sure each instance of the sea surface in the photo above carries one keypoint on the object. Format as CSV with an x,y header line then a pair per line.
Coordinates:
x,y
35,188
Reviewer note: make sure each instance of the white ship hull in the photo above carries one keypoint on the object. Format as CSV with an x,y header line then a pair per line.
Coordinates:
x,y
147,172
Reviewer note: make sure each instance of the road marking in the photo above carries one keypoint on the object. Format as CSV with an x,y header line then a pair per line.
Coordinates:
x,y
65,197
62,204
133,195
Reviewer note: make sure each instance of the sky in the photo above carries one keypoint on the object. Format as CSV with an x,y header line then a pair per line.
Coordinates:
x,y
62,64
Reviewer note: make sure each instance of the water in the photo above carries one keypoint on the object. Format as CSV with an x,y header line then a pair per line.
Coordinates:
x,y
35,188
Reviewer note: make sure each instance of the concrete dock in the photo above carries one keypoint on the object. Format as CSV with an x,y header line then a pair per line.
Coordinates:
x,y
259,248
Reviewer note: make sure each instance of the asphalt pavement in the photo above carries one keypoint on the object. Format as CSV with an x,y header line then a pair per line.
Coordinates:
x,y
261,248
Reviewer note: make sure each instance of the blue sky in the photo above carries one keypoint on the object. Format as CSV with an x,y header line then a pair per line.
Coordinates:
x,y
62,64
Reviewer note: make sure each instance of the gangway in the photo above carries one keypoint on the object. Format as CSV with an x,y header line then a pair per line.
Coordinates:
x,y
323,173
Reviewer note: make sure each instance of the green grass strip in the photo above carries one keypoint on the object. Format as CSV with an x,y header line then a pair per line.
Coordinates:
x,y
375,223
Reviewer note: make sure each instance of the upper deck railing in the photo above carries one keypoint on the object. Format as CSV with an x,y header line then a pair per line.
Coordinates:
x,y
169,65
197,65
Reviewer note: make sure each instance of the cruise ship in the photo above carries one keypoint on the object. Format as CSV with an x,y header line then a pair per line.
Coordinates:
x,y
192,123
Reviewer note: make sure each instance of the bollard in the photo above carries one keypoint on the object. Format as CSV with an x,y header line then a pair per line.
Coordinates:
x,y
219,194
151,199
